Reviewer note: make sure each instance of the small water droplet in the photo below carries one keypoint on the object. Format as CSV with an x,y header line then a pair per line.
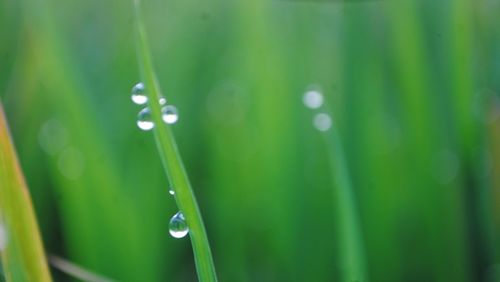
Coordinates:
x,y
171,191
145,120
322,122
313,99
3,237
169,114
138,95
162,100
177,226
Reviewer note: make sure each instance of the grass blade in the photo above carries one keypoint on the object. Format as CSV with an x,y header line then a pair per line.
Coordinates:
x,y
76,271
350,241
172,161
23,257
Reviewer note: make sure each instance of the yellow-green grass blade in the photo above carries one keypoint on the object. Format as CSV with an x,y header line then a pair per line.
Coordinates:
x,y
23,256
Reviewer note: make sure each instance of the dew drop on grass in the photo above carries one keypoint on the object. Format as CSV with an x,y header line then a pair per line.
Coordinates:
x,y
322,122
145,120
177,226
169,114
162,100
313,99
138,95
3,237
171,191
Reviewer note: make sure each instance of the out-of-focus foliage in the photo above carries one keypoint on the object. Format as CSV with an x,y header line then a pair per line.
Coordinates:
x,y
414,91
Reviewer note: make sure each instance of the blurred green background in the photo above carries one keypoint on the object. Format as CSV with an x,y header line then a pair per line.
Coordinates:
x,y
413,88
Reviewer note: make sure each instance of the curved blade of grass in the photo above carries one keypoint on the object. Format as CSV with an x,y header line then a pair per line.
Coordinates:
x,y
76,271
23,257
172,161
351,248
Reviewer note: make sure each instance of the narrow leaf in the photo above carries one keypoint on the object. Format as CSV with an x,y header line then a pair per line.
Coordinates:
x,y
171,159
22,252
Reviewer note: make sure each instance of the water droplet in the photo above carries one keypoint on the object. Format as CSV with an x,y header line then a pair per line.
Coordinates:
x,y
177,226
169,114
162,100
171,191
145,120
138,95
313,99
322,121
3,237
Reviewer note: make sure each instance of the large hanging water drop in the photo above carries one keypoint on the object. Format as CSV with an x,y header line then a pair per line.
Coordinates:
x,y
177,226
169,114
145,120
138,95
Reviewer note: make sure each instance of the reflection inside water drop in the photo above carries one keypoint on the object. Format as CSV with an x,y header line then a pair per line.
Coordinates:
x,y
177,226
145,120
171,191
138,95
169,114
322,122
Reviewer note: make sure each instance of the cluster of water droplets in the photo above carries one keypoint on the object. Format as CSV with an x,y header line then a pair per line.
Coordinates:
x,y
144,118
313,99
177,226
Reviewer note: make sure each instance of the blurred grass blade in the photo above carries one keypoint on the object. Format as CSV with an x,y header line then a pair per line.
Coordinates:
x,y
352,254
76,271
331,1
172,162
23,257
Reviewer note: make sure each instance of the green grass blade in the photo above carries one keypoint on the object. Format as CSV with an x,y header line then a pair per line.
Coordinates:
x,y
351,249
23,257
172,161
